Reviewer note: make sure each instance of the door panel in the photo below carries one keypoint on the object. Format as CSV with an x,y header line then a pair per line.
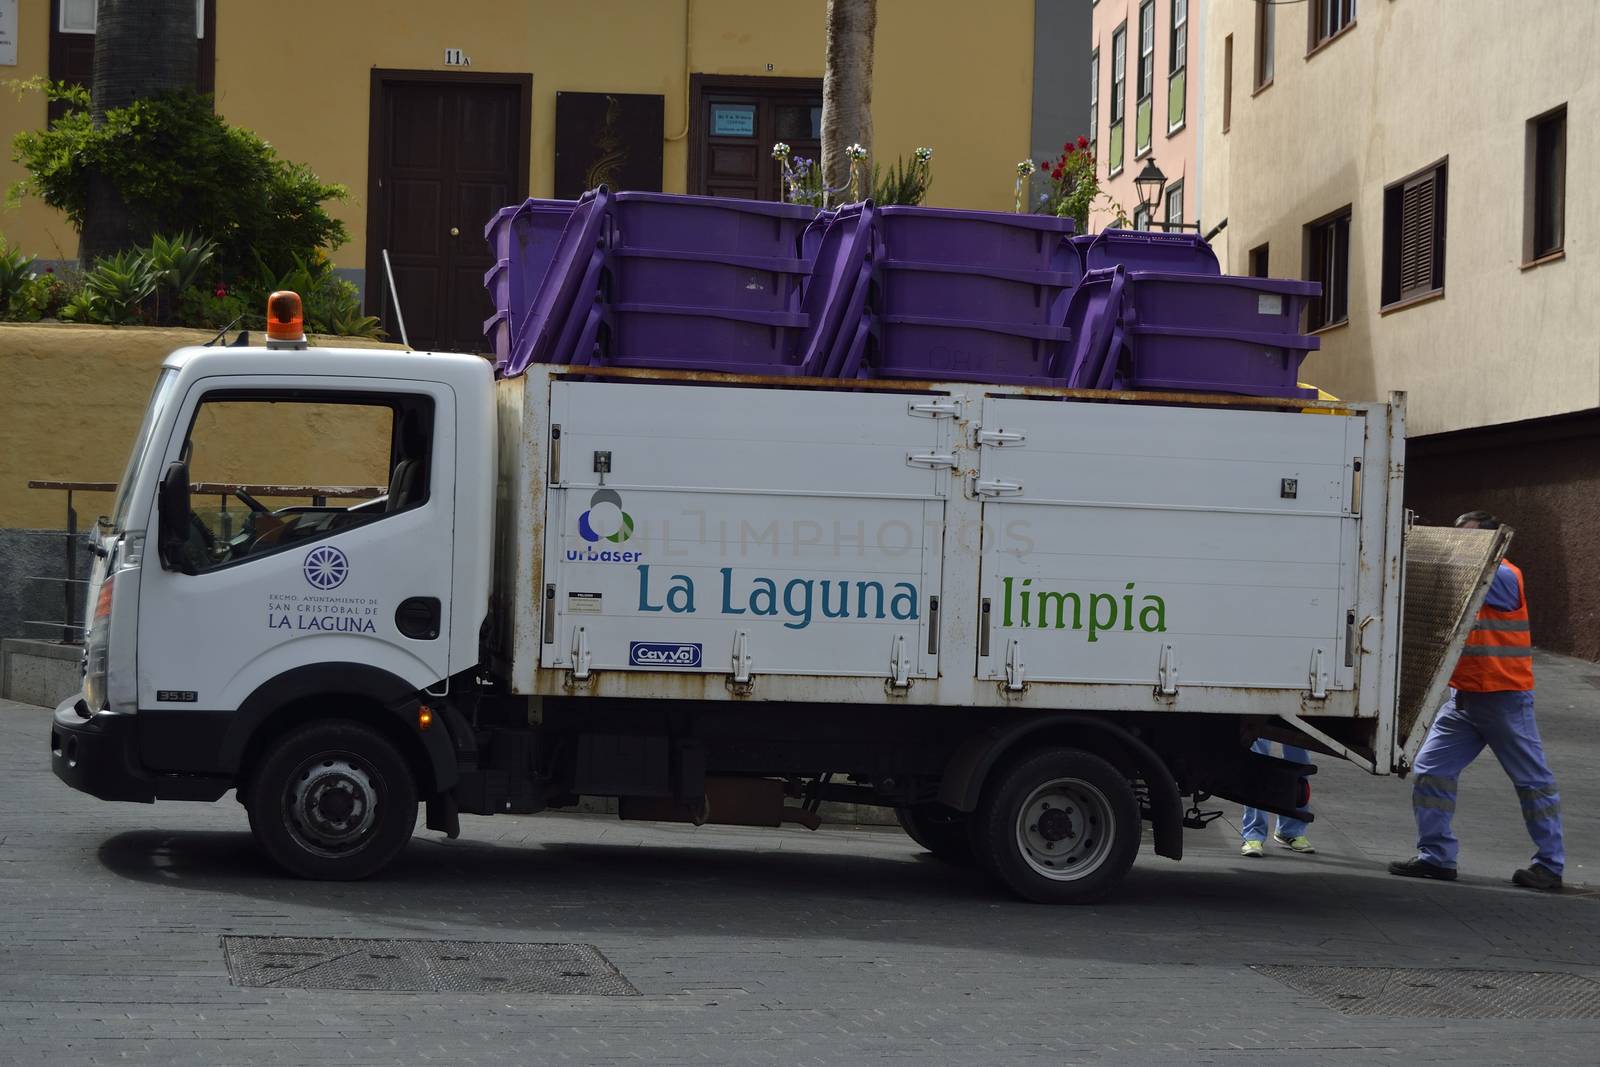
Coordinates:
x,y
736,125
448,155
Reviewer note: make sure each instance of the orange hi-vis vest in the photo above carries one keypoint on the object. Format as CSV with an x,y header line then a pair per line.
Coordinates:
x,y
1498,656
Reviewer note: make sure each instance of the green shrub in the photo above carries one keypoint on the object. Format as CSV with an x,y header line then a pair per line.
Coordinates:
x,y
118,288
178,263
181,169
15,269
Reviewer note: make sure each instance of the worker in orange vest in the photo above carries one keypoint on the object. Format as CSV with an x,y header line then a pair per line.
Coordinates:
x,y
1491,704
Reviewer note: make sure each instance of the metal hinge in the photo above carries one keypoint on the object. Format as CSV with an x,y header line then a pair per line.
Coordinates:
x,y
998,438
934,409
1014,667
1319,676
739,680
996,487
581,657
936,460
899,664
1167,672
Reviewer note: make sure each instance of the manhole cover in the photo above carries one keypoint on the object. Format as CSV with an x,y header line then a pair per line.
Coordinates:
x,y
1444,993
405,966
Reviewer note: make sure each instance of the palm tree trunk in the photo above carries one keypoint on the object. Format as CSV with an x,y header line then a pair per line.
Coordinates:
x,y
847,85
141,48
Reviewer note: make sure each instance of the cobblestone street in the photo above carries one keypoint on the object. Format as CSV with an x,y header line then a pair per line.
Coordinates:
x,y
841,946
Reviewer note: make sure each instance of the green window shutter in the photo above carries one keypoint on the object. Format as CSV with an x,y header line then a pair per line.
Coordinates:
x,y
1142,133
1177,97
1115,155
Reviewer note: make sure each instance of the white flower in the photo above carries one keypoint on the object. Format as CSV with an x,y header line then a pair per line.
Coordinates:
x,y
1025,168
855,151
924,154
780,151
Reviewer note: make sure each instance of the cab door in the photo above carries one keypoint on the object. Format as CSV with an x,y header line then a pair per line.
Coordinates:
x,y
320,537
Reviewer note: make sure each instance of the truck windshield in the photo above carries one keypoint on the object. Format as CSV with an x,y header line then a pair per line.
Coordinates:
x,y
141,444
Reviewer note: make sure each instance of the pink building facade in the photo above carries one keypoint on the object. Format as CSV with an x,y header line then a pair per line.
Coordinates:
x,y
1144,104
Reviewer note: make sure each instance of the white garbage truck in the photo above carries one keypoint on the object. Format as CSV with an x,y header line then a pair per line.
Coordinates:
x,y
1028,620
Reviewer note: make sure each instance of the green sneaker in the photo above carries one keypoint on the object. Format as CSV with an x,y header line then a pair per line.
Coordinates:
x,y
1301,844
1251,849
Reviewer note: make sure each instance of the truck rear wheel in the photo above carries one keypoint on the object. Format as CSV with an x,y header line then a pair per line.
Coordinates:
x,y
333,801
1058,827
943,832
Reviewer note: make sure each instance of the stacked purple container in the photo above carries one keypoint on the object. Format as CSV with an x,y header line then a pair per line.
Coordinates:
x,y
974,295
523,238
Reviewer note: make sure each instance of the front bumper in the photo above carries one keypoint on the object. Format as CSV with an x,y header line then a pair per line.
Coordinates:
x,y
98,754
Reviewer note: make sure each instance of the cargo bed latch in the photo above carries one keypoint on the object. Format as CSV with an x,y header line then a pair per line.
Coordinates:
x,y
740,681
1319,677
899,665
581,657
1167,672
1014,667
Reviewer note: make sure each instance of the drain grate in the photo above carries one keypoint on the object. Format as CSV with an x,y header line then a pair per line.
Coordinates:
x,y
1444,993
406,966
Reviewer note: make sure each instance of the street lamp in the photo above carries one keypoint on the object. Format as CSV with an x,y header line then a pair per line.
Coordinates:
x,y
1151,183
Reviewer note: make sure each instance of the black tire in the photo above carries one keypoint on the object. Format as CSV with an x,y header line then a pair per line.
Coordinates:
x,y
945,833
1089,842
332,801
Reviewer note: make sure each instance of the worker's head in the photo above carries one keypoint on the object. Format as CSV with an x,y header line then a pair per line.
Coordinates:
x,y
1477,520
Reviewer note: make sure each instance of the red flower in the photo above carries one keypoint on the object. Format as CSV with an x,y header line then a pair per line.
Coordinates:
x,y
1083,142
221,292
49,270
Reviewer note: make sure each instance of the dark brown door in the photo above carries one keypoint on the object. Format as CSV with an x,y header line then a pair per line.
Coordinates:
x,y
735,123
448,154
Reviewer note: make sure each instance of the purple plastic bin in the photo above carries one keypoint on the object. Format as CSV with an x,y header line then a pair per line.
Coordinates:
x,y
976,238
730,341
969,350
1093,313
962,291
1218,361
522,239
706,279
836,291
711,224
1182,253
1250,305
568,285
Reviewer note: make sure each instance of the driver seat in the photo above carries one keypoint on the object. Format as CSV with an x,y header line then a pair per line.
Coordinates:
x,y
408,481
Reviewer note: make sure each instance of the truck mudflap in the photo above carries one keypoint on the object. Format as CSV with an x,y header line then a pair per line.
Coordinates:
x,y
1447,573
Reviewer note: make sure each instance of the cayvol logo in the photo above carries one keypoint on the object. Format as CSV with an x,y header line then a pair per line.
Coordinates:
x,y
326,567
605,519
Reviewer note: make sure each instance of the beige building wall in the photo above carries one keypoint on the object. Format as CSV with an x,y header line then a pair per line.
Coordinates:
x,y
1175,109
1410,83
948,73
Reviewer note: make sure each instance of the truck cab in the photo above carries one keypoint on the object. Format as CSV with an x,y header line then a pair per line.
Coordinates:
x,y
223,617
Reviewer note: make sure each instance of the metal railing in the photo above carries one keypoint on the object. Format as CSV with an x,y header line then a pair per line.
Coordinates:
x,y
71,624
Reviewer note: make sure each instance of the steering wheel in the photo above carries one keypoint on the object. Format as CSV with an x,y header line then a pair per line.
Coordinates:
x,y
251,502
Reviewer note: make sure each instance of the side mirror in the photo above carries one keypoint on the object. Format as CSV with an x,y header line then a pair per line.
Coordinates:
x,y
172,512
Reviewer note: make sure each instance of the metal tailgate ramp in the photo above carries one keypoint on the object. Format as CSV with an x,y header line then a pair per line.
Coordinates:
x,y
1447,574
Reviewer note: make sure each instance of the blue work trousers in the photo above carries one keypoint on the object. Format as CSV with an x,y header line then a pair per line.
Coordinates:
x,y
1468,722
1254,825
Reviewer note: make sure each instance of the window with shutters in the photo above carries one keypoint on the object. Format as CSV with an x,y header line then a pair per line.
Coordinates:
x,y
1329,18
1094,97
1545,207
1413,236
1119,99
1178,67
71,57
1327,242
1144,113
1266,42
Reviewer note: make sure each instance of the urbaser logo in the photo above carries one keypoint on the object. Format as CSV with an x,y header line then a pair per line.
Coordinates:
x,y
663,654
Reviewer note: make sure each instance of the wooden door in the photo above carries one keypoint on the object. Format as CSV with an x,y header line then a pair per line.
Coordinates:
x,y
736,121
447,153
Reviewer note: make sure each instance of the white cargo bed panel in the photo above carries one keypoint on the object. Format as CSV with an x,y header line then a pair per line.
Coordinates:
x,y
752,539
787,530
1219,543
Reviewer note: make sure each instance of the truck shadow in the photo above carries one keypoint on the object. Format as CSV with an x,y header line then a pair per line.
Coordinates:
x,y
1164,912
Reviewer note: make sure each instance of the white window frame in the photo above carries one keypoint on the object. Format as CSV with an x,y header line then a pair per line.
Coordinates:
x,y
1147,50
1094,96
1174,192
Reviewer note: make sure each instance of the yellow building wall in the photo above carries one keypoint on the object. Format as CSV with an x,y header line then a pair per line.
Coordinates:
x,y
948,73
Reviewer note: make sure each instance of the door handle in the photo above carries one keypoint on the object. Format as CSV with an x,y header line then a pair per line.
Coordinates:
x,y
455,231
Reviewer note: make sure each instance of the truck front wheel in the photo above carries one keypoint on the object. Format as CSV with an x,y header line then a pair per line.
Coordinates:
x,y
1058,827
333,801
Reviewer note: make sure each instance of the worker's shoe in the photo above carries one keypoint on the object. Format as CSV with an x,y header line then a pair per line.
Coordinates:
x,y
1538,876
1301,844
1421,868
1252,849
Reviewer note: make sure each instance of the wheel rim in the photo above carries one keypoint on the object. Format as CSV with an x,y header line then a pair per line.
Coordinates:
x,y
1065,829
332,804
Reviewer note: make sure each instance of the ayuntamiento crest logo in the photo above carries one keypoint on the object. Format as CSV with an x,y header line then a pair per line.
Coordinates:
x,y
605,519
326,567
